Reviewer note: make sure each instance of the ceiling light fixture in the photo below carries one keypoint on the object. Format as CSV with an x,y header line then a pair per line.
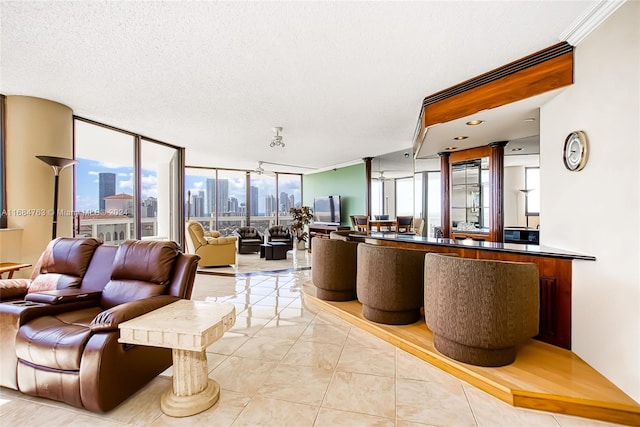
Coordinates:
x,y
517,149
277,139
450,148
475,122
460,138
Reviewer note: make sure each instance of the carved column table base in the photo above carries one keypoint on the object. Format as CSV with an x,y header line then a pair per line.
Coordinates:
x,y
188,327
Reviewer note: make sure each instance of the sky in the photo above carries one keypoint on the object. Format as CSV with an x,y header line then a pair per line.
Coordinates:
x,y
87,188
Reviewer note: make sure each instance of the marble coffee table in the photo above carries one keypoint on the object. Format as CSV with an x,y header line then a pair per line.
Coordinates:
x,y
188,328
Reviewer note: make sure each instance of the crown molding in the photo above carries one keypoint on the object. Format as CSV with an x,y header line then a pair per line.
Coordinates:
x,y
589,21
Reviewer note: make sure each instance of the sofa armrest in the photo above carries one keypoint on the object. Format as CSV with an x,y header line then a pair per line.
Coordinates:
x,y
110,319
13,288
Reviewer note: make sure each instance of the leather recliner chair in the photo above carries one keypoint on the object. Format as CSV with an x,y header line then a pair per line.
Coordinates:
x,y
62,265
89,368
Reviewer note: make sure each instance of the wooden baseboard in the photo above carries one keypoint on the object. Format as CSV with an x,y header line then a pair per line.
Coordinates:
x,y
543,376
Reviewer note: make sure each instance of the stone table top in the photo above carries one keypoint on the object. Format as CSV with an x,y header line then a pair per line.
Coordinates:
x,y
184,324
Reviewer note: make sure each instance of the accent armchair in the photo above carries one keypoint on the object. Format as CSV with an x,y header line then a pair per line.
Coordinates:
x,y
213,249
280,233
249,239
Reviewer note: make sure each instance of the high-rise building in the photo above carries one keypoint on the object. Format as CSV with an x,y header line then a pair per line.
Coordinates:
x,y
270,207
223,197
234,206
253,208
106,187
198,204
222,204
285,202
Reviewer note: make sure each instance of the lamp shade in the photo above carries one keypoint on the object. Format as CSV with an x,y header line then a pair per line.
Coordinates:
x,y
57,163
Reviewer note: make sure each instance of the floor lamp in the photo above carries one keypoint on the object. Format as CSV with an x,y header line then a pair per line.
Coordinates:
x,y
58,164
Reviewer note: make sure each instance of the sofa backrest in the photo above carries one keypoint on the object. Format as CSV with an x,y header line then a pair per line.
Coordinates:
x,y
141,269
247,232
195,235
99,270
279,231
64,263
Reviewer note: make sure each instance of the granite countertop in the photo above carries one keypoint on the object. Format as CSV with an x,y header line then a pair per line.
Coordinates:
x,y
523,249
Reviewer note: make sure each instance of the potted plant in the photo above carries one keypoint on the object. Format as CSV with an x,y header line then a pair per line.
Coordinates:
x,y
300,217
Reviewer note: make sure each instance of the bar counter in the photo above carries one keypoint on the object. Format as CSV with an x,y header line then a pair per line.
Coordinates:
x,y
512,248
554,267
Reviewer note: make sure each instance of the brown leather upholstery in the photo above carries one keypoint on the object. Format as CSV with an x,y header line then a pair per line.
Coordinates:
x,y
63,264
333,269
390,283
480,310
249,239
70,352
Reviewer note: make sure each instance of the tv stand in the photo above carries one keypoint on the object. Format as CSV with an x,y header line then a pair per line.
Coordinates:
x,y
323,231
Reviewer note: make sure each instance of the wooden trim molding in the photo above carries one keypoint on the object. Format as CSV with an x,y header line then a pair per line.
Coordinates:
x,y
496,191
367,172
445,192
540,72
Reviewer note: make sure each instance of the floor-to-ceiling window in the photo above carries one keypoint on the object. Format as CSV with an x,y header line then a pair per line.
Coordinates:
x,y
231,203
263,206
289,196
224,199
160,185
404,196
126,186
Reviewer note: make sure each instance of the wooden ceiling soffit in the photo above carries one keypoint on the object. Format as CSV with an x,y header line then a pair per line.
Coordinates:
x,y
540,72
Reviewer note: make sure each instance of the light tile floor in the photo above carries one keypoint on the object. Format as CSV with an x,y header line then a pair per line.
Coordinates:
x,y
285,364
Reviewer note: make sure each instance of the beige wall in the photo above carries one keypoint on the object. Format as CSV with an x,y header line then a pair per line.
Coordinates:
x,y
597,211
36,126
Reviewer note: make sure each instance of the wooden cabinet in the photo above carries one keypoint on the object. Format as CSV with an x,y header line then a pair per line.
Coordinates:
x,y
323,231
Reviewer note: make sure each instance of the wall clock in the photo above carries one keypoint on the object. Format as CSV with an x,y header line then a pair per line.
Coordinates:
x,y
576,152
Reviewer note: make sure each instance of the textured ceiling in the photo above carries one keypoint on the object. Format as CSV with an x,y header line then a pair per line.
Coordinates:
x,y
344,79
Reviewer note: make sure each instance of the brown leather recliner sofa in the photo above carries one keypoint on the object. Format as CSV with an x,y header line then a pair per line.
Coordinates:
x,y
63,344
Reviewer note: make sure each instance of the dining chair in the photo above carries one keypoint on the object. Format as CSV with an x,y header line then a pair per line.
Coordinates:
x,y
362,222
404,224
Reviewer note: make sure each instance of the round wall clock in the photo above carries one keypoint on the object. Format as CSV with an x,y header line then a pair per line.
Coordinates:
x,y
575,151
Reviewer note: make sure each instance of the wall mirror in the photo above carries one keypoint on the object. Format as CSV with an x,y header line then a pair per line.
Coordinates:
x,y
392,186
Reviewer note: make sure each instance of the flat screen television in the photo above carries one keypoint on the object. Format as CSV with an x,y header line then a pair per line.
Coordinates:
x,y
326,210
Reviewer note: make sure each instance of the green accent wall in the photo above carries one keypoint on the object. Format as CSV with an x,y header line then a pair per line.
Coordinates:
x,y
349,183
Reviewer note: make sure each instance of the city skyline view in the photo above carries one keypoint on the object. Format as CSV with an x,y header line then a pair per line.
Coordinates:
x,y
87,182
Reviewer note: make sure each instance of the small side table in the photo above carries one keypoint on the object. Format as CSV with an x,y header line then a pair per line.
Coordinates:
x,y
188,328
11,267
278,250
